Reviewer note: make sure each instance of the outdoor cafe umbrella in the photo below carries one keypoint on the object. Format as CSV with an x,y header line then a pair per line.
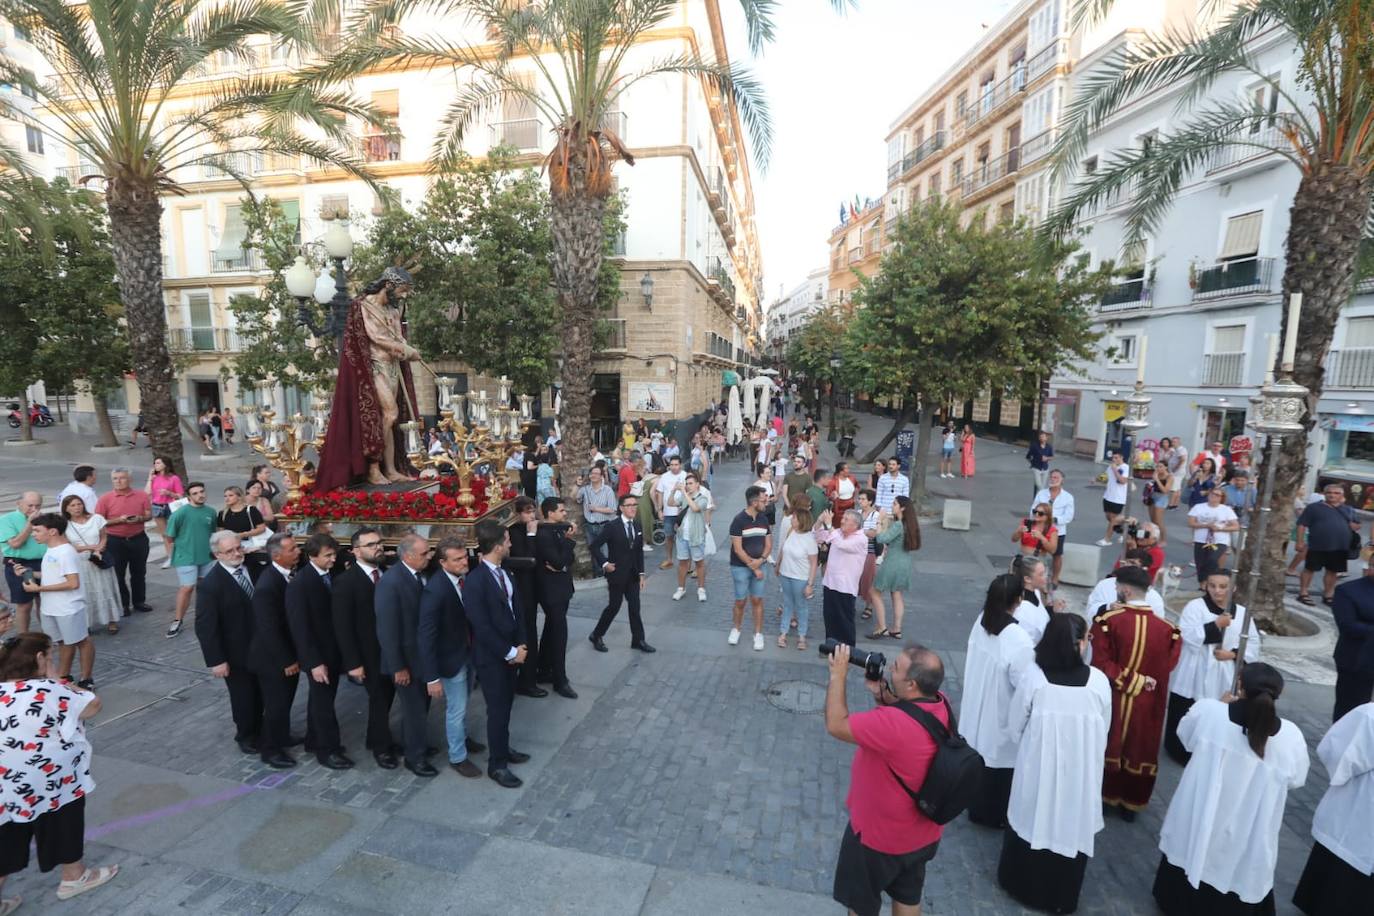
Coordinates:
x,y
748,406
734,421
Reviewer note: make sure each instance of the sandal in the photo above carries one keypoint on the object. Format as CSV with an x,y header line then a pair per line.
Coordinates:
x,y
1327,599
782,642
112,629
1307,600
866,614
878,633
9,905
801,644
90,879
895,634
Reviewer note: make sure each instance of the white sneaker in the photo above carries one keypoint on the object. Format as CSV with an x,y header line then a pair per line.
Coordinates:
x,y
701,594
1106,542
678,593
734,637
758,642
167,563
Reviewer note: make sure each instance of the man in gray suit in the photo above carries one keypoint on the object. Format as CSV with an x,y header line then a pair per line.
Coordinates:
x,y
397,603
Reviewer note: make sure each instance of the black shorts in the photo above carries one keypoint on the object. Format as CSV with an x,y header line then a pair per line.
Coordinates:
x,y
1059,548
1112,508
59,836
1330,560
862,875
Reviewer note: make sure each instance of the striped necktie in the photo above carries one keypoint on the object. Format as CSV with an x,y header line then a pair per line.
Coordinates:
x,y
244,582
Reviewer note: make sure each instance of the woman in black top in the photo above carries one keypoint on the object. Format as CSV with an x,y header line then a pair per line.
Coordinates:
x,y
245,521
262,473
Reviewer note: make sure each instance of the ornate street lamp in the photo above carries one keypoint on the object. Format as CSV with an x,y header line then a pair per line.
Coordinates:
x,y
834,370
338,244
1136,420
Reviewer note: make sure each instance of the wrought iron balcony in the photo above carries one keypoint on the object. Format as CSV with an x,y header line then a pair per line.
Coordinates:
x,y
204,340
993,96
990,172
1125,296
1223,370
1350,368
1035,147
246,260
932,145
522,134
382,148
1043,61
1234,278
1248,146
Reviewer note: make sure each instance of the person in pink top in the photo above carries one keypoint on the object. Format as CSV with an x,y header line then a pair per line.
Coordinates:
x,y
777,426
163,488
844,568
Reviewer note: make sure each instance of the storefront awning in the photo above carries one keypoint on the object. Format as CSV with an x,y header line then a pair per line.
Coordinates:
x,y
1353,422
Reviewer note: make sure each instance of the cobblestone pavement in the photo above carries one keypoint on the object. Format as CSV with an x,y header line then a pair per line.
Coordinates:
x,y
699,779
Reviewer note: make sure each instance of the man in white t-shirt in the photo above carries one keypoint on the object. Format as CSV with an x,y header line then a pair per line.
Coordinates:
x,y
1212,523
1062,504
83,481
63,605
1178,471
669,481
1114,500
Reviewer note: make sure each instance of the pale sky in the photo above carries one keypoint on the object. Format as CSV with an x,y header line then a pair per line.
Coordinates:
x,y
835,84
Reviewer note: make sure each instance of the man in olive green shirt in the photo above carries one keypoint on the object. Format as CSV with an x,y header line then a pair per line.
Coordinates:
x,y
21,552
797,482
189,529
819,501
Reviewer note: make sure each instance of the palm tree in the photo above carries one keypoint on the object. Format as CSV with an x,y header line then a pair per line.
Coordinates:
x,y
579,50
1326,129
121,68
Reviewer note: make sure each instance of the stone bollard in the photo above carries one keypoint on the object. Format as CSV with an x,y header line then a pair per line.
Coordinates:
x,y
958,514
1080,564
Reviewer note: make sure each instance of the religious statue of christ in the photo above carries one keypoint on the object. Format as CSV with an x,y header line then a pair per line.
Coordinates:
x,y
375,391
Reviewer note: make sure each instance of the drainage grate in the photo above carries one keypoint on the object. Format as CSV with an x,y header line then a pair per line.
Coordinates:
x,y
800,697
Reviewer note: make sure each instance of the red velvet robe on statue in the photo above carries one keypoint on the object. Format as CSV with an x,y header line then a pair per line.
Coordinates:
x,y
354,438
1130,644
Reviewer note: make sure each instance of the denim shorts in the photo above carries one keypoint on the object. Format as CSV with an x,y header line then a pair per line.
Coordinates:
x,y
669,525
685,551
747,585
188,576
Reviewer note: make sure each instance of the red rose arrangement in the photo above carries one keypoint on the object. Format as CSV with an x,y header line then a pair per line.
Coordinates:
x,y
396,507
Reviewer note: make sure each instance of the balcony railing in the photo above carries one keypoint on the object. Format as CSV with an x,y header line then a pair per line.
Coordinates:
x,y
1223,370
721,276
1131,294
618,123
1352,368
382,148
989,172
1037,146
1234,278
856,255
1246,146
994,96
932,145
204,340
242,163
1044,60
249,259
615,337
522,134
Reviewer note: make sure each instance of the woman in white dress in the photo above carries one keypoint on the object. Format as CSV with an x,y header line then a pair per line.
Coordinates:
x,y
1211,630
1061,712
1220,839
1340,869
999,652
87,534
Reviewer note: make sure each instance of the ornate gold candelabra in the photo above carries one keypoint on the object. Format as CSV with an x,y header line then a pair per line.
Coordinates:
x,y
491,434
284,444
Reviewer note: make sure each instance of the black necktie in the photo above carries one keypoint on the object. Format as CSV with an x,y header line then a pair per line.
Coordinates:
x,y
328,586
630,533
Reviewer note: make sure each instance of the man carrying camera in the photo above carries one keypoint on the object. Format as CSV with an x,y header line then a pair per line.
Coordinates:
x,y
888,841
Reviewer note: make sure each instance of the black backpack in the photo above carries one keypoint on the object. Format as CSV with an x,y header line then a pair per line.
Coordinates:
x,y
952,781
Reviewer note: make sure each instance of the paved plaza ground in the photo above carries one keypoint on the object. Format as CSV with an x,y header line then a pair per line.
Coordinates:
x,y
697,780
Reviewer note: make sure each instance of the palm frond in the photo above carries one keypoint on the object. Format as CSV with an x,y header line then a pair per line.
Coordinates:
x,y
736,83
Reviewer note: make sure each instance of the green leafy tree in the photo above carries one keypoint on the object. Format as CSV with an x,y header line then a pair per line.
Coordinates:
x,y
957,310
61,320
1325,128
119,99
811,349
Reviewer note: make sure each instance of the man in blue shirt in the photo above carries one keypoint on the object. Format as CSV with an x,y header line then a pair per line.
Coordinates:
x,y
1038,455
1239,494
1325,529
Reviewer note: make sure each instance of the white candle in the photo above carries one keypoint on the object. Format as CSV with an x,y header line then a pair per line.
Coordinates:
x,y
1140,361
1269,360
1290,337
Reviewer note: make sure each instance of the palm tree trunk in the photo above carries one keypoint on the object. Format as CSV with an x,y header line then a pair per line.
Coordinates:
x,y
1327,219
102,418
578,244
135,212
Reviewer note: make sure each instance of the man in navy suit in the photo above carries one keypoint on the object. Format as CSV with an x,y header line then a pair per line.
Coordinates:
x,y
355,627
272,654
397,604
624,570
224,626
309,613
444,638
553,549
498,650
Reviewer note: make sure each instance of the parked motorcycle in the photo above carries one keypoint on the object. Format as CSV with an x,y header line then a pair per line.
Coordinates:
x,y
39,416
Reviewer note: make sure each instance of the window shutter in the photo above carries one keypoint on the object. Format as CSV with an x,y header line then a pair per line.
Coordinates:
x,y
387,101
235,233
1359,333
1228,339
1242,236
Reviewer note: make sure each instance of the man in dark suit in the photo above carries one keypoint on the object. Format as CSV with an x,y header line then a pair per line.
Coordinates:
x,y
553,550
498,644
272,654
623,542
444,640
355,628
310,615
224,626
397,603
522,545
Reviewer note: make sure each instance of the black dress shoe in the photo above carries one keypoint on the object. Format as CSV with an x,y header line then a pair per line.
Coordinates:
x,y
336,761
597,644
535,692
515,756
247,745
279,761
143,608
643,647
565,690
422,769
506,779
386,759
466,768
475,747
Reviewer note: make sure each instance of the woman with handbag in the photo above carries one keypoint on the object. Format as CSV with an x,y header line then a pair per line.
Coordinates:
x,y
692,533
247,522
797,563
1157,497
86,532
163,487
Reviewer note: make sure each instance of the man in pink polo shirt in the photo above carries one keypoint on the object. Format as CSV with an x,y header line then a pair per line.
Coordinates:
x,y
126,511
843,570
889,841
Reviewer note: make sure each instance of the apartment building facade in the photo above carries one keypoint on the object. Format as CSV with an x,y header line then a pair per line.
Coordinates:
x,y
789,314
690,215
1200,301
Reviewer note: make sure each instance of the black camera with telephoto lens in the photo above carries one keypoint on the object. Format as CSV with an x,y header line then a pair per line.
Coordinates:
x,y
873,663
